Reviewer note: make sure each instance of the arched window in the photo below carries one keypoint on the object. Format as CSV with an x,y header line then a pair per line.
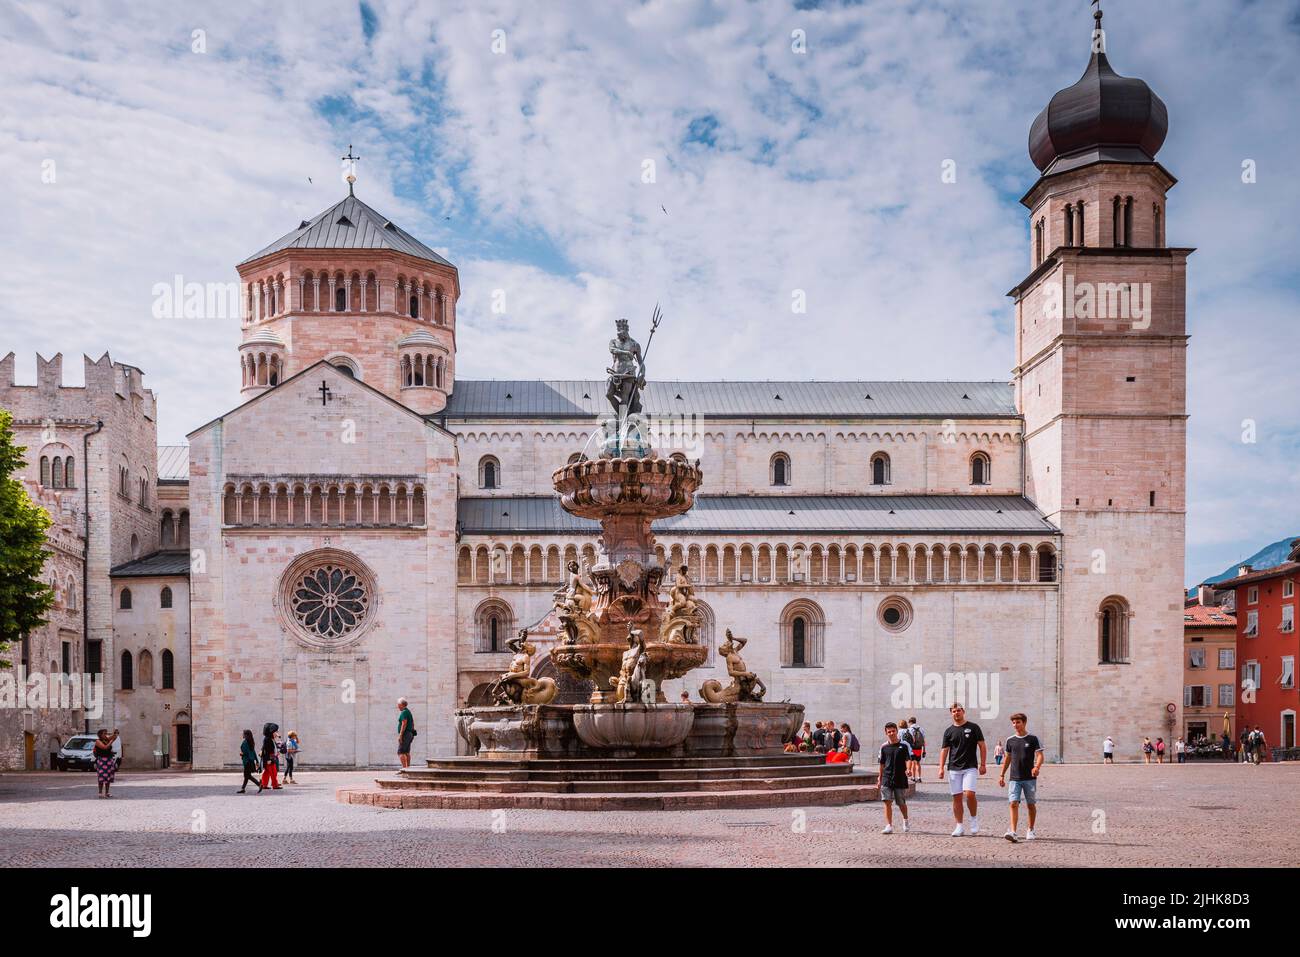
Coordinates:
x,y
1128,221
168,669
128,680
69,473
1156,238
124,600
1046,564
146,670
71,592
1080,235
165,598
495,626
1117,224
979,469
780,469
802,629
415,307
135,547
340,299
56,472
705,636
1068,214
880,469
45,470
1112,631
489,472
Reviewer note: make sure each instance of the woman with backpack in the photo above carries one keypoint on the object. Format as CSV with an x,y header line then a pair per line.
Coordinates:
x,y
917,738
846,734
1147,749
270,761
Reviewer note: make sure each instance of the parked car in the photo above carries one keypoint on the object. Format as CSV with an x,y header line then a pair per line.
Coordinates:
x,y
78,754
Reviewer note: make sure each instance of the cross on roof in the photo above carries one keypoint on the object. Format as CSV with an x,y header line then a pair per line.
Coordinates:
x,y
351,162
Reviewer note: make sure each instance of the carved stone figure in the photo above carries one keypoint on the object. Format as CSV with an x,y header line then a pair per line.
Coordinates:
x,y
632,669
745,685
517,685
682,620
626,373
573,603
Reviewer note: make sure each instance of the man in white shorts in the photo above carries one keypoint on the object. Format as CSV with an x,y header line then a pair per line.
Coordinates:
x,y
961,743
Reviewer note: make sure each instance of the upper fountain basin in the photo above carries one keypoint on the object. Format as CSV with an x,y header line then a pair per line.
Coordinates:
x,y
652,487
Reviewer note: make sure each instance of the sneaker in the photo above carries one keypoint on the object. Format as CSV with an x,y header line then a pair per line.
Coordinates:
x,y
1011,836
958,831
1030,836
974,825
887,829
906,828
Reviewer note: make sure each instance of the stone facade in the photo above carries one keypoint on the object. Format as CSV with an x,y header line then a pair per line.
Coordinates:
x,y
107,429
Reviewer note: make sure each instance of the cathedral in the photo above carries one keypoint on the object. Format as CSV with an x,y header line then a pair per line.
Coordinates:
x,y
365,525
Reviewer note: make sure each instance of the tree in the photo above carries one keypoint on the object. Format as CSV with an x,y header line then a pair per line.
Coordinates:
x,y
24,597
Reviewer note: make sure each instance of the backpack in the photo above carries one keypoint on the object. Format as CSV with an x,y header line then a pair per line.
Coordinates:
x,y
918,737
853,743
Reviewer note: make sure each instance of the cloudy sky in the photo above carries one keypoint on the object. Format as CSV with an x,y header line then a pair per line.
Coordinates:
x,y
142,140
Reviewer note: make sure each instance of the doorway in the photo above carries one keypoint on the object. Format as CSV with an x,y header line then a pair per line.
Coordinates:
x,y
29,751
183,744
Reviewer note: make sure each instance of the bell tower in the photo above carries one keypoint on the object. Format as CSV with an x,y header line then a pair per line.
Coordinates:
x,y
1100,378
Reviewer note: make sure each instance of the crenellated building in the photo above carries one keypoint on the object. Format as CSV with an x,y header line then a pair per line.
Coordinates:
x,y
365,525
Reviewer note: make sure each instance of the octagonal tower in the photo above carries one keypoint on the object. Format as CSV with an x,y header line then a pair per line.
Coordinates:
x,y
352,287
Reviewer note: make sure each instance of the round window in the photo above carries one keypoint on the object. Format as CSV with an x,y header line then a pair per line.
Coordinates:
x,y
895,613
328,598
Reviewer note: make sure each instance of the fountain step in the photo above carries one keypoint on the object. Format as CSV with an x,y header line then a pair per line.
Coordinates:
x,y
546,774
589,764
411,799
588,786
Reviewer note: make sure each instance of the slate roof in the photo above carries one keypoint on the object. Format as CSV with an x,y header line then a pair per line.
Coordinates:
x,y
585,399
173,463
351,224
764,514
159,563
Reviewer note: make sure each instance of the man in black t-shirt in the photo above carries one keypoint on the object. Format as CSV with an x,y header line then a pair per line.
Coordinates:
x,y
1024,759
892,768
961,744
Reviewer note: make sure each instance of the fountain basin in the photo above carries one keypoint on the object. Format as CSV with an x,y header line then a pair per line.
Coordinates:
x,y
633,727
598,662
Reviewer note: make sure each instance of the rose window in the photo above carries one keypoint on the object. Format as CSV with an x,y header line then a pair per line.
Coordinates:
x,y
330,601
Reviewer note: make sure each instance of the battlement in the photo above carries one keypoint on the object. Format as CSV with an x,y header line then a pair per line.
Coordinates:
x,y
103,378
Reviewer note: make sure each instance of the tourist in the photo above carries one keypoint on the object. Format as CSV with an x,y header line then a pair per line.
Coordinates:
x,y
1243,755
291,750
405,732
841,754
905,735
1024,761
1257,744
1160,750
270,765
997,753
832,736
686,697
849,738
1108,750
804,738
248,758
281,752
918,748
1147,749
818,736
892,765
1180,750
958,758
105,760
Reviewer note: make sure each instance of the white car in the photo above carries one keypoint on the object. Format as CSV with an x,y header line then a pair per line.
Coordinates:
x,y
79,753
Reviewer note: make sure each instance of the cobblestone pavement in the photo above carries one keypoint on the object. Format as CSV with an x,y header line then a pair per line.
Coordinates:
x,y
1194,815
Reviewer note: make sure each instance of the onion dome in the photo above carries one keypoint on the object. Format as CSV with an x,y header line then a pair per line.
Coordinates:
x,y
1104,116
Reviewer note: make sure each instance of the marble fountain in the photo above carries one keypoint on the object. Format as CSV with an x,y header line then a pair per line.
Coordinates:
x,y
626,747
